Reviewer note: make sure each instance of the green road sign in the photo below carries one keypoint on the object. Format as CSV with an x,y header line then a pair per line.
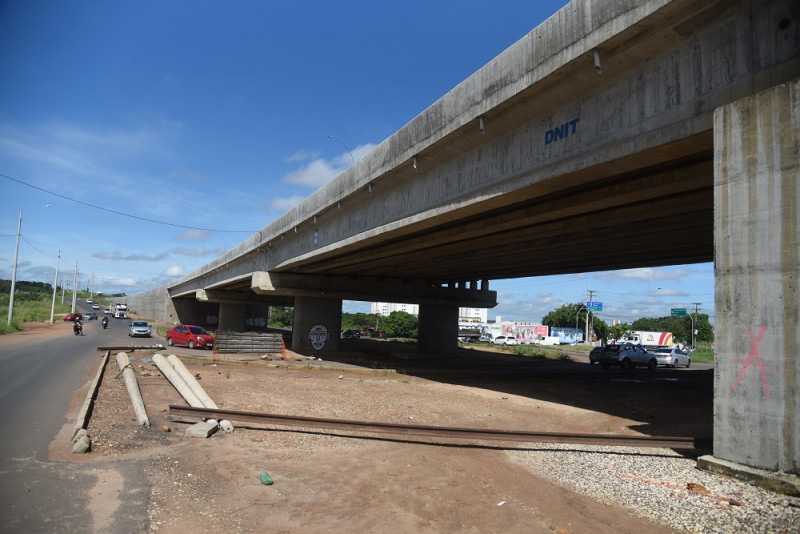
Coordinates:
x,y
678,312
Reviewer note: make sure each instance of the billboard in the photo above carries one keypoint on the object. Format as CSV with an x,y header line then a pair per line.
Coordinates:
x,y
567,335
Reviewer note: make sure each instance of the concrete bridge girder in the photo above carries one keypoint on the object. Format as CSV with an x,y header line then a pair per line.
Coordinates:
x,y
352,288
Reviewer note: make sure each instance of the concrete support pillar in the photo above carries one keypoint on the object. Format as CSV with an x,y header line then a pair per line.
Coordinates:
x,y
438,329
317,325
232,317
757,259
190,311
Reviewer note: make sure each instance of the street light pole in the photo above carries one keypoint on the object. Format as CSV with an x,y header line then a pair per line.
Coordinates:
x,y
576,322
345,147
75,287
55,285
14,274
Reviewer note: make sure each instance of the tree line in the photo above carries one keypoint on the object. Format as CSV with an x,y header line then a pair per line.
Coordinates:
x,y
681,327
396,324
24,290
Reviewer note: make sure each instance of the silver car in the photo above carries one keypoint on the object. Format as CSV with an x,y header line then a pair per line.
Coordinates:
x,y
627,355
139,328
672,357
504,340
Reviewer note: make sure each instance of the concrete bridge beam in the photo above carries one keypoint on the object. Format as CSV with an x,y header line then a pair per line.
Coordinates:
x,y
757,268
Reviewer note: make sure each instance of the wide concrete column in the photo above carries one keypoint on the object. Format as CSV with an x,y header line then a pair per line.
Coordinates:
x,y
316,325
757,254
232,316
438,329
190,311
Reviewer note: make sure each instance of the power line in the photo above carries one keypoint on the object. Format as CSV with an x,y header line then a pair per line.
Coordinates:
x,y
122,213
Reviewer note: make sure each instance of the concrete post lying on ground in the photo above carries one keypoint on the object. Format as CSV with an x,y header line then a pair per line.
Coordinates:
x,y
197,389
204,429
124,364
176,381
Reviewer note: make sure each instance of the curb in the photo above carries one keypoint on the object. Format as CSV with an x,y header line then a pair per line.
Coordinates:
x,y
83,415
783,483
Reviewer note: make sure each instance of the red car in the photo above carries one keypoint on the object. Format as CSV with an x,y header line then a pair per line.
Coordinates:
x,y
191,336
73,316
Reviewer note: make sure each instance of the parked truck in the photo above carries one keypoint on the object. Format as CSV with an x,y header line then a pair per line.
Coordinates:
x,y
120,311
649,339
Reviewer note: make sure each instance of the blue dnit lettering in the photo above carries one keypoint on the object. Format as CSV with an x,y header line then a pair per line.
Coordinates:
x,y
561,131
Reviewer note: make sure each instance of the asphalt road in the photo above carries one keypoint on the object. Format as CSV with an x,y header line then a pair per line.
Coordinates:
x,y
38,379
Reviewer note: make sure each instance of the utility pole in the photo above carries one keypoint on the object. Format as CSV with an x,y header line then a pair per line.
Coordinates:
x,y
696,324
590,298
75,287
55,286
14,275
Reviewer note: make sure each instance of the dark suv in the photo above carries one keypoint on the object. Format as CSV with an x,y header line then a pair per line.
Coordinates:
x,y
351,334
627,355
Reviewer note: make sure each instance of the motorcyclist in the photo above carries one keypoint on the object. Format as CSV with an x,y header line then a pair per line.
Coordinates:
x,y
77,328
105,322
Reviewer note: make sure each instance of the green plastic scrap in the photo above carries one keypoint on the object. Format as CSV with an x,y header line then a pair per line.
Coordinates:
x,y
266,479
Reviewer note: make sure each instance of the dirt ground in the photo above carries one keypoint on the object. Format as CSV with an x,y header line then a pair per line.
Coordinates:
x,y
335,480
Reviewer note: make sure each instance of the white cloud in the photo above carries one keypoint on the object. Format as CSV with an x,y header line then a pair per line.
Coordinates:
x,y
314,174
668,292
193,235
199,251
319,171
172,272
118,256
284,204
648,274
302,155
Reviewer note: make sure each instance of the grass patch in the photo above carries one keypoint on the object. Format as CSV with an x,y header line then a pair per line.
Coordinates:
x,y
538,353
31,311
704,353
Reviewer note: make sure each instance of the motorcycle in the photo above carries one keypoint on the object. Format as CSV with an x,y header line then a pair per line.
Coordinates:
x,y
105,322
77,329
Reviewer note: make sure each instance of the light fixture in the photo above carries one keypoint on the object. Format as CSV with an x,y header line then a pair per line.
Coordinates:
x,y
415,163
483,128
597,62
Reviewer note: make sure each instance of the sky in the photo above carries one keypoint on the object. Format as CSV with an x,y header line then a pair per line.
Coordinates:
x,y
144,139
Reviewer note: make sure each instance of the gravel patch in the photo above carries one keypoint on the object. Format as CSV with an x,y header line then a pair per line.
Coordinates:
x,y
664,487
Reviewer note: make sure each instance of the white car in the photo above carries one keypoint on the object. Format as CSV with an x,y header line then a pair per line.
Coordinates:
x,y
672,357
107,310
504,340
95,306
139,328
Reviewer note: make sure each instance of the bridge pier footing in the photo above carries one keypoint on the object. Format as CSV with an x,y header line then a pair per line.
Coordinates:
x,y
757,264
316,325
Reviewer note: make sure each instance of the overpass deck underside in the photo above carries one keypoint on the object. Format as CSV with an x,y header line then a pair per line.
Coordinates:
x,y
658,215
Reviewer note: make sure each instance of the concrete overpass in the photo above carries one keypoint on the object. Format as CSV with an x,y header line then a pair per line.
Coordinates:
x,y
616,134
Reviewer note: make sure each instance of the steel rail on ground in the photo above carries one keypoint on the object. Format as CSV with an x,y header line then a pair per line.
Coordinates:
x,y
477,434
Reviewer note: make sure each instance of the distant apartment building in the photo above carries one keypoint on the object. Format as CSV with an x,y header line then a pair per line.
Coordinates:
x,y
474,315
385,308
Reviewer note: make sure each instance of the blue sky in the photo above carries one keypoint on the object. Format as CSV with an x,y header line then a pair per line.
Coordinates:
x,y
203,121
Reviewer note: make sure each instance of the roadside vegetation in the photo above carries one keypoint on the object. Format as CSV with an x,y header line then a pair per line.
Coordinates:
x,y
33,302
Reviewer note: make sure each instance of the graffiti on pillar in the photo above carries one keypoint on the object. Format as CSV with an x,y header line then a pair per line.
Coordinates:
x,y
759,362
318,336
